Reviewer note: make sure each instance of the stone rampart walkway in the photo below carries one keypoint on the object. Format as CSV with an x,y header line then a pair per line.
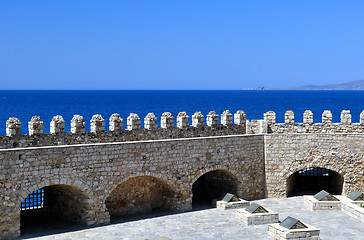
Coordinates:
x,y
222,224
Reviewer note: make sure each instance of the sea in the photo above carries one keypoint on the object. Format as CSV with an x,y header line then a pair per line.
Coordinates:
x,y
46,104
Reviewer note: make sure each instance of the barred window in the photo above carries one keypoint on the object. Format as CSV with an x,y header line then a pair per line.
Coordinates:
x,y
314,172
34,200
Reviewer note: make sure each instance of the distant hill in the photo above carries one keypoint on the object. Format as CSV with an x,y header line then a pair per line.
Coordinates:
x,y
353,85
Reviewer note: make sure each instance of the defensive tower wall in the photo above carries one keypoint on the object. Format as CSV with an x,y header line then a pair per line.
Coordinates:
x,y
91,177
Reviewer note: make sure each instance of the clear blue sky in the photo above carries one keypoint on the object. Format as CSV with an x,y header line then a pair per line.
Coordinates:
x,y
179,44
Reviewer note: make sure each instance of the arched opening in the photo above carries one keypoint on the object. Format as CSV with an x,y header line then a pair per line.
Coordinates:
x,y
54,208
140,197
212,186
311,180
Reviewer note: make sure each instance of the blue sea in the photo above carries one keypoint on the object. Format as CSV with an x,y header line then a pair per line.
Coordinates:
x,y
46,104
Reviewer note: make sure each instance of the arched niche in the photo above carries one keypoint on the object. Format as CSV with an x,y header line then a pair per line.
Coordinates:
x,y
140,195
212,186
55,208
311,180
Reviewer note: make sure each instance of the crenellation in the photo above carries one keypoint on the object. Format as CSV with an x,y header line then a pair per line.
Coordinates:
x,y
197,119
182,120
78,124
270,117
167,130
212,119
308,117
167,120
57,125
13,127
97,123
327,117
115,123
345,117
289,117
150,122
35,126
133,122
240,118
226,118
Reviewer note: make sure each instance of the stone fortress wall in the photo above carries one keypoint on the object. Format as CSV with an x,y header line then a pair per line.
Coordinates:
x,y
96,175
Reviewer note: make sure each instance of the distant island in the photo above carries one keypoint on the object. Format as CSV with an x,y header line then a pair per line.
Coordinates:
x,y
353,85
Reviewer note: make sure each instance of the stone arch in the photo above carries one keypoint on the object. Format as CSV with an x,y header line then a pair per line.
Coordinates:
x,y
66,180
141,194
212,185
310,180
65,203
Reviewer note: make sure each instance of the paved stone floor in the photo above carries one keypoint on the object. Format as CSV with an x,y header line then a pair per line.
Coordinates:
x,y
221,224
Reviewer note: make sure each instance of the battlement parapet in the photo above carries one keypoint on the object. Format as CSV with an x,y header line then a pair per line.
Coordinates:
x,y
150,122
226,118
117,133
115,123
212,119
230,125
167,120
308,126
57,125
197,119
35,126
78,125
13,127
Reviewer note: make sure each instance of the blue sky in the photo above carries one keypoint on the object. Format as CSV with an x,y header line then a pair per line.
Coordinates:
x,y
179,44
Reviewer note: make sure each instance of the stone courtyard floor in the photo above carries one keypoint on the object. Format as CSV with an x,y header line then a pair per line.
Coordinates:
x,y
221,224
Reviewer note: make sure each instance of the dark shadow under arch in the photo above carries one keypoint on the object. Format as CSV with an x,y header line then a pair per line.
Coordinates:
x,y
54,209
212,186
311,180
140,197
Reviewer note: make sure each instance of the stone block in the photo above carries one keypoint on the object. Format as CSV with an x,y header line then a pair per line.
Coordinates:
x,y
133,121
97,123
226,118
277,232
232,205
212,119
345,117
182,120
315,205
327,117
77,124
197,119
35,126
167,120
289,117
308,117
115,123
257,218
150,122
240,118
270,117
13,127
57,125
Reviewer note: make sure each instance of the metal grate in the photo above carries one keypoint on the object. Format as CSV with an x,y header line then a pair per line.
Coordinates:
x,y
35,200
314,172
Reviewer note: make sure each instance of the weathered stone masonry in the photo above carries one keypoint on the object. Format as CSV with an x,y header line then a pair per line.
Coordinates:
x,y
90,168
97,169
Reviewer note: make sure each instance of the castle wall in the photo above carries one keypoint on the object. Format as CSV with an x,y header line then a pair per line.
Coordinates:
x,y
84,170
69,138
97,169
286,154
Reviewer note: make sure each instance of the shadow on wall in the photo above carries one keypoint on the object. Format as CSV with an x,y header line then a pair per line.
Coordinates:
x,y
212,186
138,196
310,181
53,209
